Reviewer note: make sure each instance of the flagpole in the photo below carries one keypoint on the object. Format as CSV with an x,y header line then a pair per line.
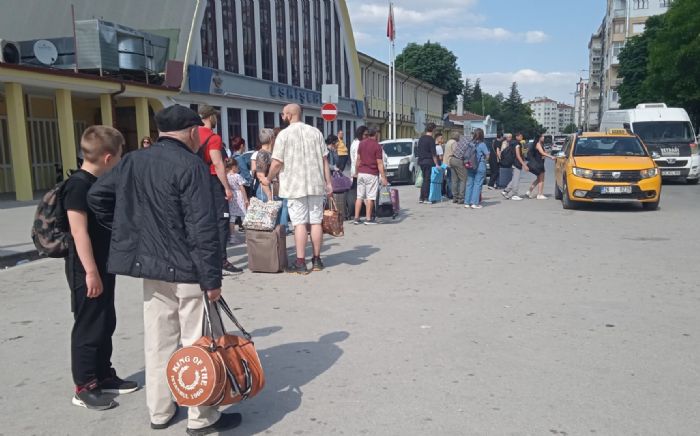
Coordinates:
x,y
393,88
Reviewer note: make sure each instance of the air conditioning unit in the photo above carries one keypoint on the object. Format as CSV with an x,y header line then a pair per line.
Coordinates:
x,y
9,52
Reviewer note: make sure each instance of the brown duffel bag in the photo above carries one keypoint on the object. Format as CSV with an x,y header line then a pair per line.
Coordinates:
x,y
237,373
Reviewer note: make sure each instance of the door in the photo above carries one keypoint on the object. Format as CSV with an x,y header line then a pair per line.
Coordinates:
x,y
561,162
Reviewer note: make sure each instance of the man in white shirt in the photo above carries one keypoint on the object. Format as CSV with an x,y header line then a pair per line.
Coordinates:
x,y
300,157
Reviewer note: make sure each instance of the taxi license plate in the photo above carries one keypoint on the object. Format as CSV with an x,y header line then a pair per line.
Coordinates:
x,y
616,190
670,173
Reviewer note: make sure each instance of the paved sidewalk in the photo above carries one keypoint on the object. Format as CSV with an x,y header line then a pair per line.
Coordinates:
x,y
15,231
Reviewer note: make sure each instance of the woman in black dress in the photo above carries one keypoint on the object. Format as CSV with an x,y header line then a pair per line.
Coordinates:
x,y
535,162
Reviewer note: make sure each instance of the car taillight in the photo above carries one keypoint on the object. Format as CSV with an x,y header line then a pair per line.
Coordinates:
x,y
693,148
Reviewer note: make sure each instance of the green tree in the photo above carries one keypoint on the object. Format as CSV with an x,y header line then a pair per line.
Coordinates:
x,y
517,116
467,92
674,59
634,59
436,65
571,128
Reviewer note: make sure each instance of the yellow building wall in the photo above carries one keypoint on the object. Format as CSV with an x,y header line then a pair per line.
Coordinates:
x,y
42,107
3,107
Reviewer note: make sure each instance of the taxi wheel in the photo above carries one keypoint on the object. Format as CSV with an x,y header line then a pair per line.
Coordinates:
x,y
566,202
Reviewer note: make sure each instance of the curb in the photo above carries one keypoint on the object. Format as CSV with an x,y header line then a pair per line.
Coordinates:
x,y
18,258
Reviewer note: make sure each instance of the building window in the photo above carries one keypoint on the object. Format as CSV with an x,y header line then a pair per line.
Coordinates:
x,y
234,123
281,41
306,42
318,57
338,54
294,40
617,48
321,125
266,39
641,4
269,120
309,120
327,36
249,49
638,27
253,129
619,27
228,11
665,3
210,56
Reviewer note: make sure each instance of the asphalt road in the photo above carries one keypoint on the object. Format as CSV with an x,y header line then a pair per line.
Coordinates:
x,y
517,319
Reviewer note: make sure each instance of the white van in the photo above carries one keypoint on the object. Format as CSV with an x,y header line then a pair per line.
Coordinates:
x,y
400,159
667,133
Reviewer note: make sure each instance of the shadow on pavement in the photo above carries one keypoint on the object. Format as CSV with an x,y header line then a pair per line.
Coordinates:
x,y
288,367
356,256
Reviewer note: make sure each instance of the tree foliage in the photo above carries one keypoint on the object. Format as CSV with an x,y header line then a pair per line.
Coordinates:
x,y
436,65
571,128
672,64
511,113
467,92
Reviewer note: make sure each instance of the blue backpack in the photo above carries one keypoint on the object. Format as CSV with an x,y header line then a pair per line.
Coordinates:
x,y
471,160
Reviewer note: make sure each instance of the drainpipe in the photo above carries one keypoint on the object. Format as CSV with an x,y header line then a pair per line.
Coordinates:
x,y
113,101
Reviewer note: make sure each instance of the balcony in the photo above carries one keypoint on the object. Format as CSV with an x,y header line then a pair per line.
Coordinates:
x,y
619,13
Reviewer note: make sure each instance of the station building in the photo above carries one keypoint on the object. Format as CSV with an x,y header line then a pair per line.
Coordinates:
x,y
248,58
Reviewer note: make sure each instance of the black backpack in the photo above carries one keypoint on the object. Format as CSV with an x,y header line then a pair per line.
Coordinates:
x,y
508,156
50,231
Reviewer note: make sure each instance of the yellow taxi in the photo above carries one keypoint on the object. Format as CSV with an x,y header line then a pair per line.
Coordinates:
x,y
612,167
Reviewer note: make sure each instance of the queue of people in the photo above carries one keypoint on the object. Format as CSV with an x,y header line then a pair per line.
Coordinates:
x,y
465,160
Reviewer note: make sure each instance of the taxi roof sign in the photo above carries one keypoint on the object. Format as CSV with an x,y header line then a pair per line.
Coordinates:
x,y
618,132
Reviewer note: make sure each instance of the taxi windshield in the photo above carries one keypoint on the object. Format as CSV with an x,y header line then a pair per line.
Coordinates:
x,y
397,149
609,146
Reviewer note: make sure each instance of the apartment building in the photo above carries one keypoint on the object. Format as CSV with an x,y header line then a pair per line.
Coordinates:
x,y
546,112
566,116
623,20
580,99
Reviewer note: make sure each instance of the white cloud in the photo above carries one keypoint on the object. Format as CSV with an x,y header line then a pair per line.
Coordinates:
x,y
535,37
531,83
487,34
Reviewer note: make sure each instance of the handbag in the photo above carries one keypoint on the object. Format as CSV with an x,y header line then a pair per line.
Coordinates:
x,y
332,221
262,215
216,371
340,182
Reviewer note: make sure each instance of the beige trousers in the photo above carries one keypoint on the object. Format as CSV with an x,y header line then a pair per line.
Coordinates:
x,y
172,315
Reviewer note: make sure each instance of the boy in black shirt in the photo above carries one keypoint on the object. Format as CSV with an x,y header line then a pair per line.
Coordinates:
x,y
92,287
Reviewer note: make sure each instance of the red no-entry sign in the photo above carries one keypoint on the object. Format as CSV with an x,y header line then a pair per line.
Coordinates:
x,y
329,112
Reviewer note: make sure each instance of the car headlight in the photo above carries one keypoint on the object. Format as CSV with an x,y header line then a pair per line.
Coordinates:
x,y
405,161
582,172
649,173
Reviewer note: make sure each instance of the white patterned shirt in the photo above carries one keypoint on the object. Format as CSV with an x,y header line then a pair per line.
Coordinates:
x,y
302,150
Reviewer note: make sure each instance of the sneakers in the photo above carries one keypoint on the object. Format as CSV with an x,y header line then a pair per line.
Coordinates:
x,y
357,222
229,267
467,206
299,269
115,385
316,264
504,194
490,188
477,206
541,197
370,223
168,422
516,198
91,397
528,194
227,421
421,201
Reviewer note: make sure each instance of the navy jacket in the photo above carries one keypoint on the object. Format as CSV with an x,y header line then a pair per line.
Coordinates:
x,y
159,204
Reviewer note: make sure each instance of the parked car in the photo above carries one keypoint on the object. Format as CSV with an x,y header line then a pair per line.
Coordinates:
x,y
613,167
400,160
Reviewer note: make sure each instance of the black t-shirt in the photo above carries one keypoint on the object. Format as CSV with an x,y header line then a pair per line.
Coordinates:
x,y
426,150
74,194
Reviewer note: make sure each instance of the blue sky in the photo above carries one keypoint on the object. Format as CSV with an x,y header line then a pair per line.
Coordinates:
x,y
541,44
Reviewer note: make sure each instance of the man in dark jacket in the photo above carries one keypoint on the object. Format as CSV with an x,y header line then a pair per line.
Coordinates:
x,y
159,203
427,158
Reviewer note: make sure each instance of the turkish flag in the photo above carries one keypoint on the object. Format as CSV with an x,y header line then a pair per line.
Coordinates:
x,y
390,28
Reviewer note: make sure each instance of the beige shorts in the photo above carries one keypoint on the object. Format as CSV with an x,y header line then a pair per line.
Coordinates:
x,y
306,210
367,186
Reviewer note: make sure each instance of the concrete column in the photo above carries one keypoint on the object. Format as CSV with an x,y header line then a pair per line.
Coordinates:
x,y
66,129
106,110
19,145
142,122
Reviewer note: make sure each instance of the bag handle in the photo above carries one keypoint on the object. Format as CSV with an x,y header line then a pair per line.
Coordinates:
x,y
331,204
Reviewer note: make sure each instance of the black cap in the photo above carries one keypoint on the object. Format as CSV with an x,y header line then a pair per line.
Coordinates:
x,y
177,117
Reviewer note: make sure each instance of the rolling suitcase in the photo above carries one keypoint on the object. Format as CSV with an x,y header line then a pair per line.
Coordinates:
x,y
341,204
267,251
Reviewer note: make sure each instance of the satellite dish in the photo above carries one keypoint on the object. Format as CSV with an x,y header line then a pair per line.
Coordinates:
x,y
45,52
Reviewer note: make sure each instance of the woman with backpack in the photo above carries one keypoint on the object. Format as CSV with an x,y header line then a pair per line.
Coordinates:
x,y
535,163
475,161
